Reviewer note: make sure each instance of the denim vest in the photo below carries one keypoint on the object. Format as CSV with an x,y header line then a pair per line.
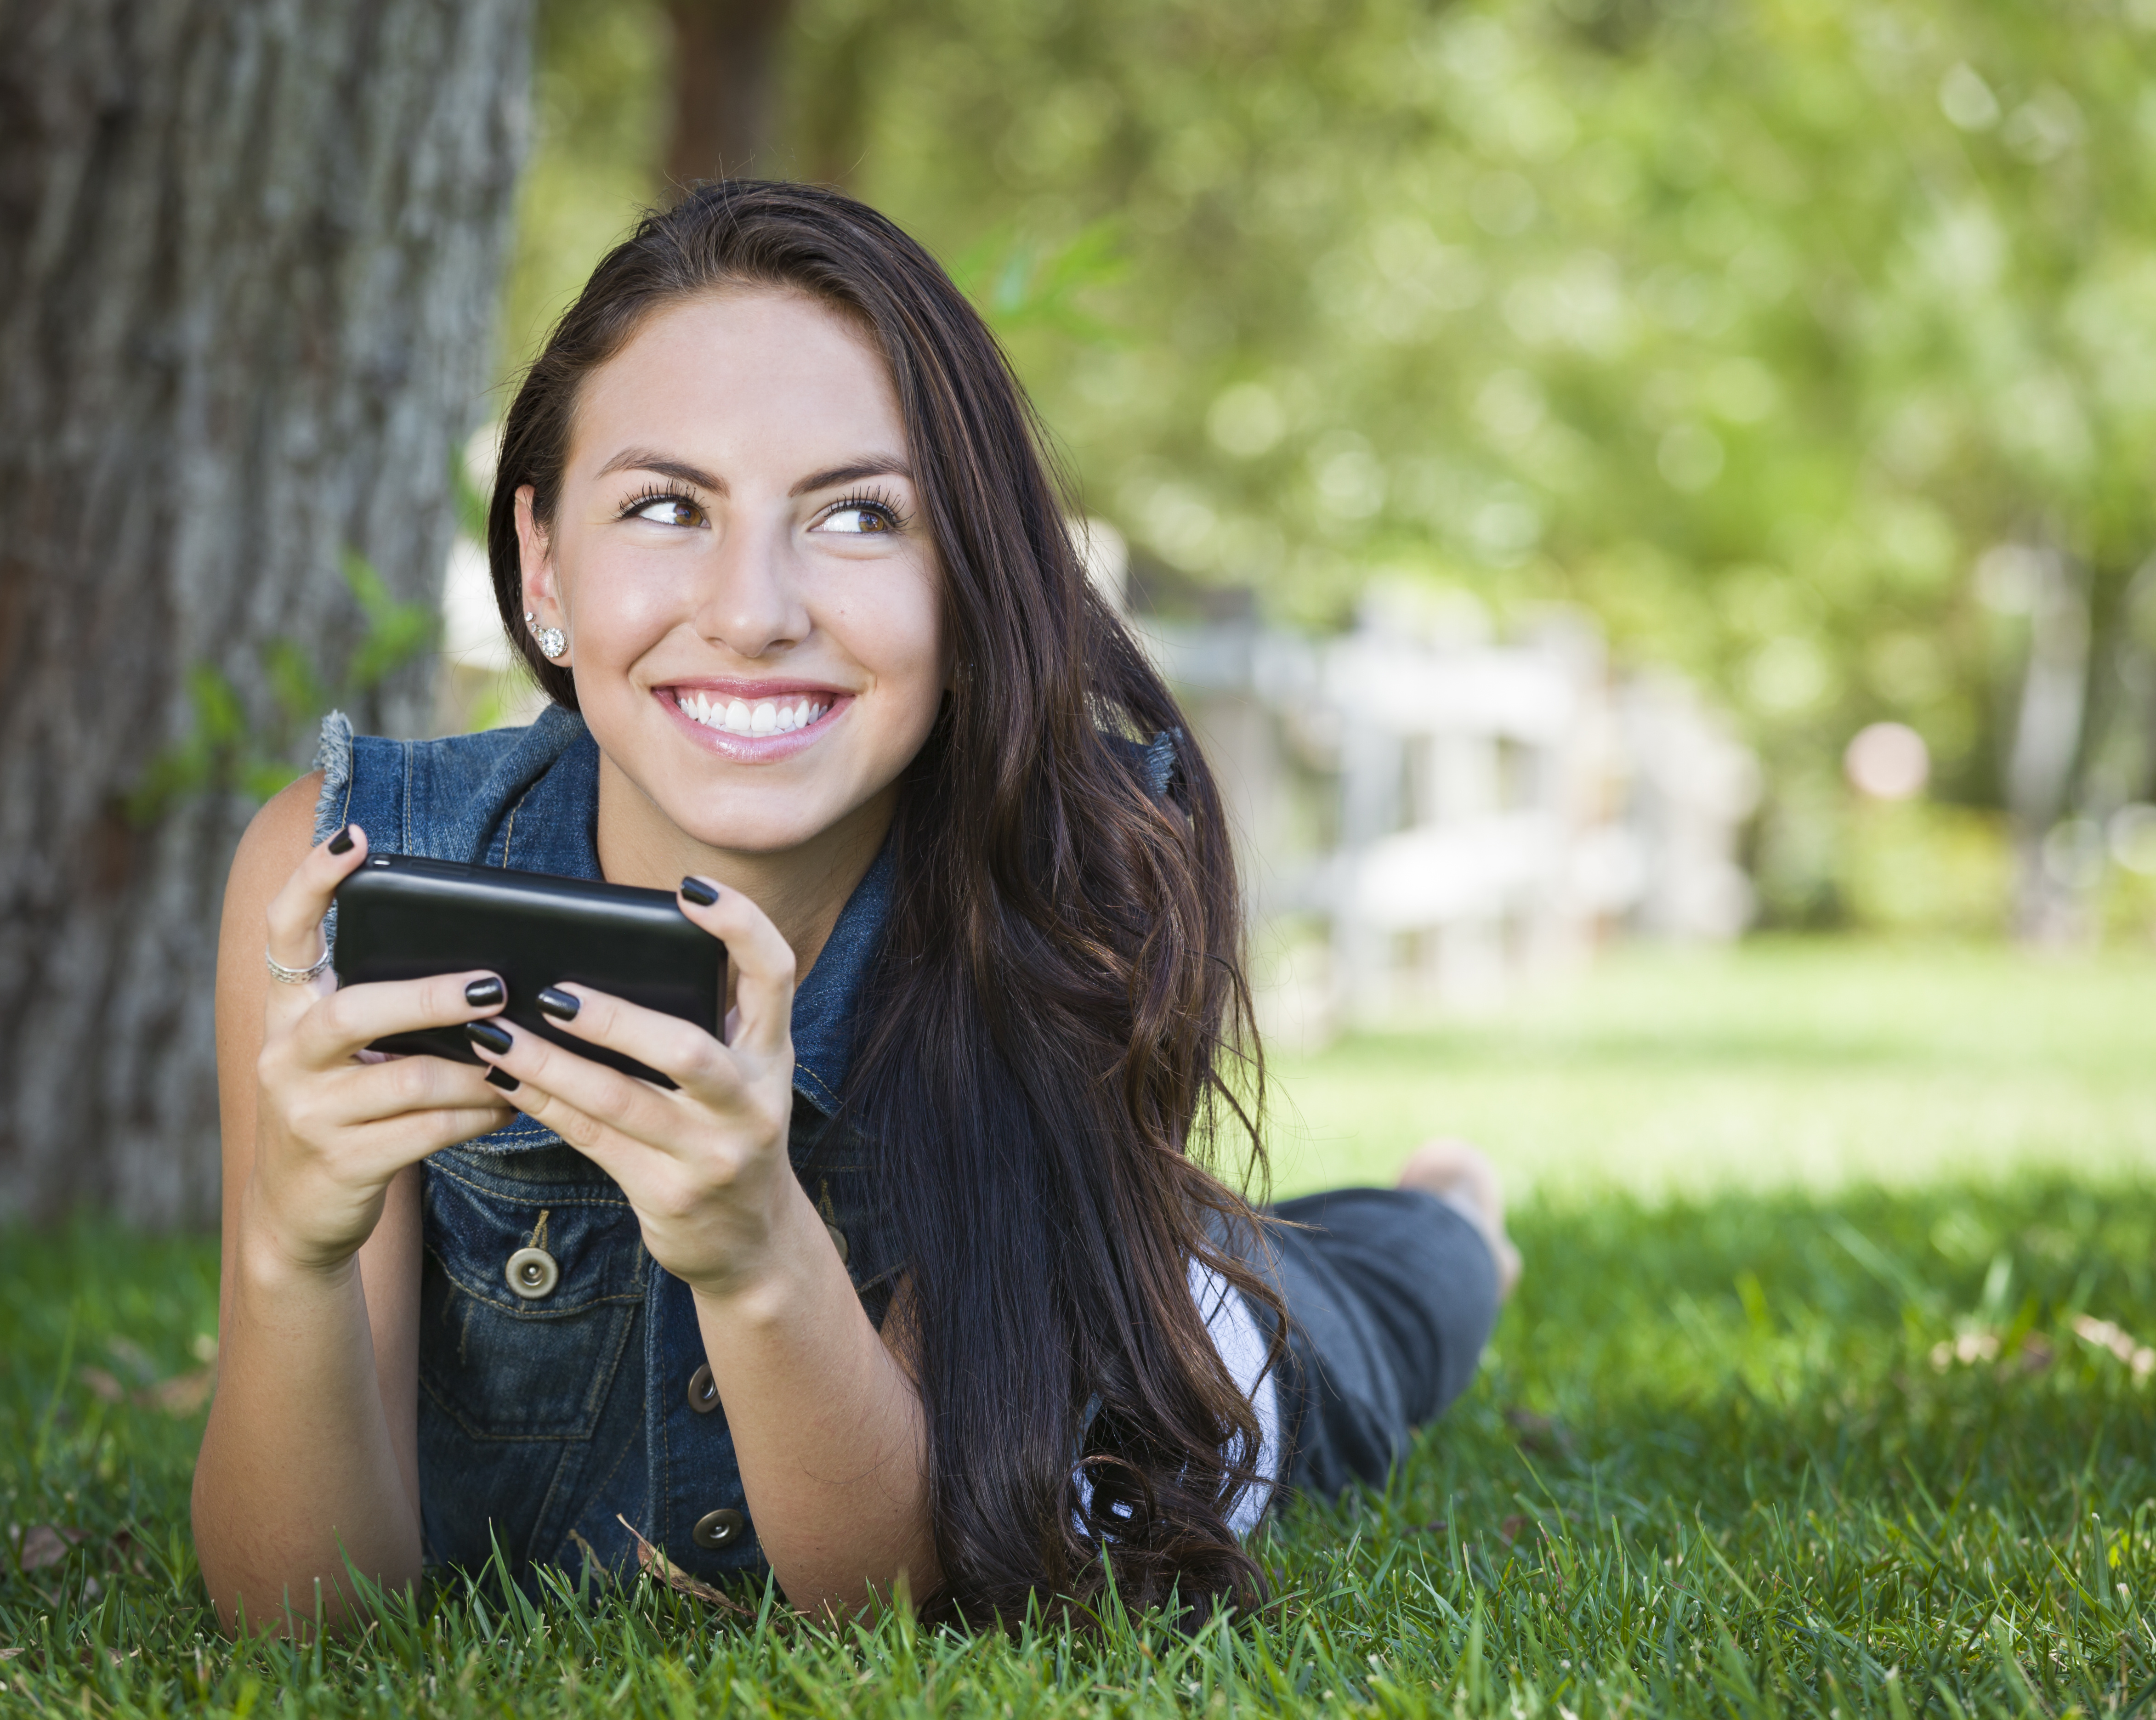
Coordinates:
x,y
553,1420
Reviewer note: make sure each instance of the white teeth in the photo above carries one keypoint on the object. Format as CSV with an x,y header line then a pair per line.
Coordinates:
x,y
736,717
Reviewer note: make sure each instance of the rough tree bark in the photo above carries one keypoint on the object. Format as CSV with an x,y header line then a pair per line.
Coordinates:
x,y
726,64
248,259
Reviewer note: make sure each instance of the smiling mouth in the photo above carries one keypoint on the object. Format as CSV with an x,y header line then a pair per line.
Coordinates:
x,y
737,716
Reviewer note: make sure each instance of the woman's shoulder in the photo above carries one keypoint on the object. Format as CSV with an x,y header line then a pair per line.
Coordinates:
x,y
438,795
342,749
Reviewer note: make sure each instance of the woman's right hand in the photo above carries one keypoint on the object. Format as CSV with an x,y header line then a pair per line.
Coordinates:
x,y
333,1123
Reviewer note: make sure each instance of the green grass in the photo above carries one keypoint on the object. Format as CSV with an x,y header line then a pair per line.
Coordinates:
x,y
1795,1412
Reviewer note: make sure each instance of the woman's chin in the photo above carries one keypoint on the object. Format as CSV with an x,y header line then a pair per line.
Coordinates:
x,y
763,823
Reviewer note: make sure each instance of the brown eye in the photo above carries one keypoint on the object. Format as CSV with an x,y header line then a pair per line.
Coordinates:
x,y
857,518
671,510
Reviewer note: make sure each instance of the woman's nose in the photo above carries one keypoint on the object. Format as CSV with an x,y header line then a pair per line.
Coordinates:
x,y
752,603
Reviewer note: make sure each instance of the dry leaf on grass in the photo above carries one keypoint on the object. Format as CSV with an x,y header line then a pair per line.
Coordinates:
x,y
1539,1434
44,1544
651,1559
184,1393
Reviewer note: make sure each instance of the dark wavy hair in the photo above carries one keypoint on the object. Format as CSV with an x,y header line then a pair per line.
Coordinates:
x,y
1057,1034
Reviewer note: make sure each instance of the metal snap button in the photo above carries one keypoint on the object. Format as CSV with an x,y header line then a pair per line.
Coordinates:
x,y
703,1390
718,1529
532,1273
837,1240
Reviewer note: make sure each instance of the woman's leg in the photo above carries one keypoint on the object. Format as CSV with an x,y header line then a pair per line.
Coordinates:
x,y
1390,1295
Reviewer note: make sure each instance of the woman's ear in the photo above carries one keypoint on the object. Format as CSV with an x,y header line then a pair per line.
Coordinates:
x,y
535,563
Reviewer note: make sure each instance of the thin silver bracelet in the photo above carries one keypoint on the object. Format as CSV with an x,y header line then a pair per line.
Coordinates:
x,y
297,976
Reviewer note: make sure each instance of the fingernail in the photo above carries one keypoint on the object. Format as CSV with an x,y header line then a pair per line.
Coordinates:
x,y
341,843
487,1036
560,1005
503,1079
484,993
697,891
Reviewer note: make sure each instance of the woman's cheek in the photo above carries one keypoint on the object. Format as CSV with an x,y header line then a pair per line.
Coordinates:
x,y
631,608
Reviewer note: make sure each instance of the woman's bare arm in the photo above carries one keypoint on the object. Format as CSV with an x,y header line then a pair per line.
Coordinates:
x,y
827,1425
310,1455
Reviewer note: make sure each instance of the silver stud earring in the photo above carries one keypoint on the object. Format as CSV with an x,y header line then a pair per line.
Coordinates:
x,y
552,641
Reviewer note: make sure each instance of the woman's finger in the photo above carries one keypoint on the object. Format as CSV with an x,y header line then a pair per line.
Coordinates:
x,y
682,1052
551,1079
348,1020
377,1151
294,932
589,1136
362,1093
764,961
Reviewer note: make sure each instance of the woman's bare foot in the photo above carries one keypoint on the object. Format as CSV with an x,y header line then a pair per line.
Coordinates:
x,y
1458,1176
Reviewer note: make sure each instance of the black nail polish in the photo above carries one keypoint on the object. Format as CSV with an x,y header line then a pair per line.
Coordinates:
x,y
489,1037
341,843
484,993
697,891
560,1005
503,1079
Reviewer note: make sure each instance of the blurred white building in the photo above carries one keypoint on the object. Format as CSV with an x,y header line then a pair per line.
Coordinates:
x,y
1427,815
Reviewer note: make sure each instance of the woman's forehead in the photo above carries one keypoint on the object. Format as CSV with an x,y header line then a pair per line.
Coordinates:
x,y
764,372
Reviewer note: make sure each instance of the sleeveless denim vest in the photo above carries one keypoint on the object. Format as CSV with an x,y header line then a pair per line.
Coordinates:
x,y
550,1423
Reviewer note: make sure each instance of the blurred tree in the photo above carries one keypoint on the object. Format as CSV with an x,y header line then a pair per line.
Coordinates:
x,y
603,114
1808,342
725,66
248,256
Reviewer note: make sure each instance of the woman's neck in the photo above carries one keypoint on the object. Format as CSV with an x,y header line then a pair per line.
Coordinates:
x,y
802,889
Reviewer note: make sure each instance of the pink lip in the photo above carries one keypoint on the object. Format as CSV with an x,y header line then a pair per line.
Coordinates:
x,y
748,749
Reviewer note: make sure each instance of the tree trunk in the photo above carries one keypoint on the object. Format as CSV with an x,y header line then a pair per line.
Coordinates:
x,y
726,63
248,261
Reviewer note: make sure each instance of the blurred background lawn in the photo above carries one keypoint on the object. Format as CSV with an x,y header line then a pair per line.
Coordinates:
x,y
1786,1065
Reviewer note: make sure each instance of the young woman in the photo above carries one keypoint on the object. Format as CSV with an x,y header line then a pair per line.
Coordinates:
x,y
918,1277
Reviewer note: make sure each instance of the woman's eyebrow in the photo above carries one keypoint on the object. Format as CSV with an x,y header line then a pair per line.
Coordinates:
x,y
643,459
872,466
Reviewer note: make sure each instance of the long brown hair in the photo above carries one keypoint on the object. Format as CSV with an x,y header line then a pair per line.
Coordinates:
x,y
1057,1033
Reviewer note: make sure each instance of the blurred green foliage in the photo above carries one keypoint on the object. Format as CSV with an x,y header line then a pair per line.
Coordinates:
x,y
600,114
225,751
1749,326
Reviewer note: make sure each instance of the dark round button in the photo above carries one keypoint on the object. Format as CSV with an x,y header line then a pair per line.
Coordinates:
x,y
718,1529
703,1390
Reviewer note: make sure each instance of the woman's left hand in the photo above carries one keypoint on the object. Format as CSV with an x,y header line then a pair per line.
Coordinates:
x,y
705,1164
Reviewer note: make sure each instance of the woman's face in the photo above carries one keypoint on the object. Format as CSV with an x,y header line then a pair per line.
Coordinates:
x,y
737,558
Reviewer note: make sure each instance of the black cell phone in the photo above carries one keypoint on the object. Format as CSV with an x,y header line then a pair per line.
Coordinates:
x,y
401,917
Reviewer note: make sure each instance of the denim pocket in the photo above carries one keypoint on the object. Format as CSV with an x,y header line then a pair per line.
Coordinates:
x,y
533,1275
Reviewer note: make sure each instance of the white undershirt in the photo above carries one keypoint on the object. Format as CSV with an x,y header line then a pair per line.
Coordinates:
x,y
1241,1341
